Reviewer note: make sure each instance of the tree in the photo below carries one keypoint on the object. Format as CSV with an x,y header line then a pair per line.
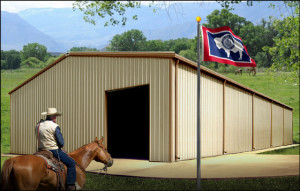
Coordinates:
x,y
116,10
92,9
133,40
83,49
3,56
10,59
285,52
181,44
225,18
155,45
32,62
229,4
34,50
261,60
191,53
4,65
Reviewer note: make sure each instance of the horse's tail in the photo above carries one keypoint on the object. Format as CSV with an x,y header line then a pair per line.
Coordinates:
x,y
6,173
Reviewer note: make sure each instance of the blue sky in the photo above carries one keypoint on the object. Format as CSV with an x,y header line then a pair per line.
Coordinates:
x,y
17,6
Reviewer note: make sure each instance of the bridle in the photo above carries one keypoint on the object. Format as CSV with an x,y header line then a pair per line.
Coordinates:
x,y
101,169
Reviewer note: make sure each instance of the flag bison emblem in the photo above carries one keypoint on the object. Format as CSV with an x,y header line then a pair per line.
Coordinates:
x,y
228,43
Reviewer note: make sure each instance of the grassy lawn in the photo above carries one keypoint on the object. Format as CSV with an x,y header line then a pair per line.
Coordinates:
x,y
10,80
3,159
287,151
106,182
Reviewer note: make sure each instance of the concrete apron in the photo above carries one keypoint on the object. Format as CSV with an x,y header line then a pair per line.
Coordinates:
x,y
248,164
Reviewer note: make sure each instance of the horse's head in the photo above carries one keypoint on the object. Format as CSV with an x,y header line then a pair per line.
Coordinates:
x,y
102,155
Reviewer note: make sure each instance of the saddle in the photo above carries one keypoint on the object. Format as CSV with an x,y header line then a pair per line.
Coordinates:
x,y
51,162
54,164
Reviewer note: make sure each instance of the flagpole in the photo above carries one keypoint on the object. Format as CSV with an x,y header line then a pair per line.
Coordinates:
x,y
198,108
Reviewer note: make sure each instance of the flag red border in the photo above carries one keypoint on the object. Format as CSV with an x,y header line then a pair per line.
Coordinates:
x,y
205,48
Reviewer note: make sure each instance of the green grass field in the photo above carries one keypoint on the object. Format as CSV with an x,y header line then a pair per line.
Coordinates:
x,y
280,88
105,182
288,151
10,80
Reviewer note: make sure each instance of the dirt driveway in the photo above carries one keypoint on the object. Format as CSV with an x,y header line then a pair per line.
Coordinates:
x,y
249,164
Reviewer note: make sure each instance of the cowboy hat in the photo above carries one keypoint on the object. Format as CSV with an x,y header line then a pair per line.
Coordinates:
x,y
52,111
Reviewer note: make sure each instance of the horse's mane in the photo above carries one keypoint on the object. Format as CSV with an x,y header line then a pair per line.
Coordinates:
x,y
82,147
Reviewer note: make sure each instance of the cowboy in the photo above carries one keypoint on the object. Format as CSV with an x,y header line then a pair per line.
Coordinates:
x,y
50,138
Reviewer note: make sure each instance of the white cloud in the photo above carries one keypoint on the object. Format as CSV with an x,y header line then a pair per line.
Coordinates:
x,y
17,6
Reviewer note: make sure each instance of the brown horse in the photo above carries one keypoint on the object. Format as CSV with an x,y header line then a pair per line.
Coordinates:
x,y
238,71
29,172
251,70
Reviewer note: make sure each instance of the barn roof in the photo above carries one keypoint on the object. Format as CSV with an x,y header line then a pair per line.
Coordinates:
x,y
170,55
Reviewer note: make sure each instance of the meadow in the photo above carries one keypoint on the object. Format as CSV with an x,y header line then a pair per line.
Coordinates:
x,y
279,87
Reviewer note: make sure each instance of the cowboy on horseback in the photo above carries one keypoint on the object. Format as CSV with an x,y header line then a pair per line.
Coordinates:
x,y
50,138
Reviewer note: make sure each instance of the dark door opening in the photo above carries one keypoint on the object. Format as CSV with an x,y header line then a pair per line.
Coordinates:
x,y
128,123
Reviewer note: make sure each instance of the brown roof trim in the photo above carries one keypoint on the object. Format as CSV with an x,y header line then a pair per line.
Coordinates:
x,y
148,55
228,80
40,72
126,54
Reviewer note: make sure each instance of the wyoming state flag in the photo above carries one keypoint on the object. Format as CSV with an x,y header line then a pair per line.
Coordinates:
x,y
221,45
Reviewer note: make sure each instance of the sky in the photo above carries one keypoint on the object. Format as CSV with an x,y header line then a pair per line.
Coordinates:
x,y
17,6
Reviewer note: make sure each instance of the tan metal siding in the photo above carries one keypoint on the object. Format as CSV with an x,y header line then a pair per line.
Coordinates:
x,y
187,110
262,123
211,114
76,86
288,127
172,113
277,125
238,120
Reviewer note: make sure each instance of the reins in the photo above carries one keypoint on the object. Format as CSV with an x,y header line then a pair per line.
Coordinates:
x,y
101,169
80,167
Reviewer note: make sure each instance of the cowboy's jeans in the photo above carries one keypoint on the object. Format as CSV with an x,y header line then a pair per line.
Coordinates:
x,y
69,162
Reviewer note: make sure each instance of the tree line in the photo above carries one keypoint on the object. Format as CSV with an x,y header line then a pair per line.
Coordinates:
x,y
33,55
272,44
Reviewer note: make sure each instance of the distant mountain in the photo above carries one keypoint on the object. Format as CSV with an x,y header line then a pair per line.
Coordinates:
x,y
16,32
177,21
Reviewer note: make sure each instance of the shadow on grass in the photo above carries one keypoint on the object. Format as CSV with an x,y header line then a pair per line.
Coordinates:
x,y
107,182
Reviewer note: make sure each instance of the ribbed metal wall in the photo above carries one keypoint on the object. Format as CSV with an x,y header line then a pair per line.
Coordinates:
x,y
288,127
211,114
187,110
277,125
76,86
262,123
238,120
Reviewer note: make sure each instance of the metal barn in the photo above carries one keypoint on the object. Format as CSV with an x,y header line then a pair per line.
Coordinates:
x,y
144,104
